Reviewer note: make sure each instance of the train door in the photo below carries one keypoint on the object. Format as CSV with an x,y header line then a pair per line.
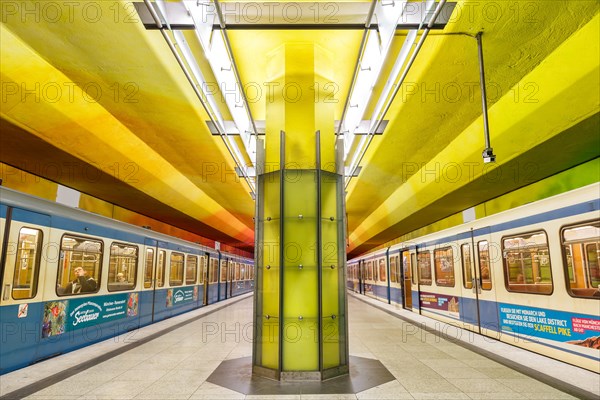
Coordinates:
x,y
470,286
231,270
361,276
485,252
148,294
204,278
223,278
479,306
414,283
160,293
406,271
213,279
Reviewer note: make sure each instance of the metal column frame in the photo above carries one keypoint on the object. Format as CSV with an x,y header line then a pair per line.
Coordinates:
x,y
319,252
281,247
340,171
260,161
342,366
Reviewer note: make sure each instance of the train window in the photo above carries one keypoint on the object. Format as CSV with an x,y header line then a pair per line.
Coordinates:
x,y
176,265
79,265
393,261
467,265
239,272
485,272
382,270
161,268
27,264
406,266
424,262
191,270
223,271
370,270
149,268
527,263
203,270
444,266
581,252
214,266
122,267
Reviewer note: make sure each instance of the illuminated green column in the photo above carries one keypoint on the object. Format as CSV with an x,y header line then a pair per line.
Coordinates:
x,y
300,299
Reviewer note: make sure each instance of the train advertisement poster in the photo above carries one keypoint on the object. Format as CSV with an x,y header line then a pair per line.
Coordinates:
x,y
442,304
69,315
181,295
577,329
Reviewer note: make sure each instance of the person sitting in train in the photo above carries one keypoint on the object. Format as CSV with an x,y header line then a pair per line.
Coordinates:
x,y
485,273
81,284
121,278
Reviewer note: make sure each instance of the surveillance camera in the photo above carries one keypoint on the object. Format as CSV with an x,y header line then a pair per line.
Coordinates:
x,y
488,155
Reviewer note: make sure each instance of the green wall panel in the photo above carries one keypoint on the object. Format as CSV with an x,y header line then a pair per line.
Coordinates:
x,y
301,345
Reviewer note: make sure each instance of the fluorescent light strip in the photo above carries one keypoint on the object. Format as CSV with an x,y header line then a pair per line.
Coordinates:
x,y
214,46
195,78
371,62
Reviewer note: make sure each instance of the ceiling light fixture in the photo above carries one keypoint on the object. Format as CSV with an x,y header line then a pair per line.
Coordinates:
x,y
226,76
374,48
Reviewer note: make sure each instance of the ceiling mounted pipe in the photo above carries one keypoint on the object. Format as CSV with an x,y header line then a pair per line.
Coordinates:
x,y
488,152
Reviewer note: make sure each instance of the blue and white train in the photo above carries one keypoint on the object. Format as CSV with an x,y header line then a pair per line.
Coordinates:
x,y
131,277
529,276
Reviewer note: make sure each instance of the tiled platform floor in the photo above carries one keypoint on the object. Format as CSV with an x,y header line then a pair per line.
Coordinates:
x,y
175,365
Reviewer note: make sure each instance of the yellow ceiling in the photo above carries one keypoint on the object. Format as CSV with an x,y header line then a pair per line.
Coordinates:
x,y
141,123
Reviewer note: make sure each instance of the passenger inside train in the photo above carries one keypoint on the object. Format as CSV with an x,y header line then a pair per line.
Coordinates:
x,y
81,284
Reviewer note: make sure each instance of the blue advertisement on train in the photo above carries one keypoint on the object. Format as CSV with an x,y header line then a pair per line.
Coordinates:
x,y
181,295
68,315
578,329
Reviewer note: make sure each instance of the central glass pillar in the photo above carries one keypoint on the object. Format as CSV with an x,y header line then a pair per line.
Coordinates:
x,y
300,330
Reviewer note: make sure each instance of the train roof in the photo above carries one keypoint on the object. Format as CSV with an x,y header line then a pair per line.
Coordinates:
x,y
18,199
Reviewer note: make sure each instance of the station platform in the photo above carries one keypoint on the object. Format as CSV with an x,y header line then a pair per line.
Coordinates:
x,y
179,359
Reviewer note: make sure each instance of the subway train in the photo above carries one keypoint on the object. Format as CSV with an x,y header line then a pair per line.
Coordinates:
x,y
71,278
528,276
